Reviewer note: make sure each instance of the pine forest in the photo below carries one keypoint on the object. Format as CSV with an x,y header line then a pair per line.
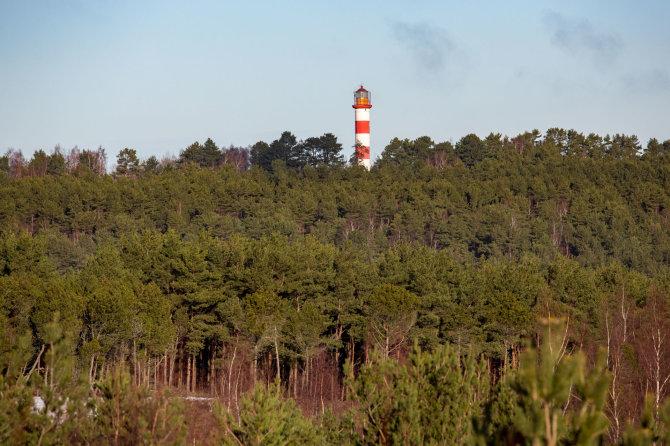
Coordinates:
x,y
498,290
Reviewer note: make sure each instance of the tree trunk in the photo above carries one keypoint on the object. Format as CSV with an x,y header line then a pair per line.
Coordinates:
x,y
188,373
230,372
91,372
277,356
254,367
295,381
170,373
211,372
386,346
135,359
194,376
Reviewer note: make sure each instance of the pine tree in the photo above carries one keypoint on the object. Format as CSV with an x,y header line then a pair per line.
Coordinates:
x,y
559,400
266,419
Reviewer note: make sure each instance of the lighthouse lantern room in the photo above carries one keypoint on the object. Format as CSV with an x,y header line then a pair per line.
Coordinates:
x,y
362,106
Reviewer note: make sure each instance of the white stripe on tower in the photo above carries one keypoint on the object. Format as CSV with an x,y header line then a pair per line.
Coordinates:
x,y
362,104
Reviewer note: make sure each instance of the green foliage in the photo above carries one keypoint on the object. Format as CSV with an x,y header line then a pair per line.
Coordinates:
x,y
127,414
300,262
288,151
564,194
151,165
58,405
494,424
338,429
127,162
46,409
322,150
652,430
391,311
548,381
260,155
305,329
418,152
471,150
204,155
431,400
266,419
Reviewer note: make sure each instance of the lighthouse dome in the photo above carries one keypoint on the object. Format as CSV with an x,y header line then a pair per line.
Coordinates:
x,y
362,98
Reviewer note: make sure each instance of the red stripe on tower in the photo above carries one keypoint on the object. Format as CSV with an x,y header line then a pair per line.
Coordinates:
x,y
362,126
362,106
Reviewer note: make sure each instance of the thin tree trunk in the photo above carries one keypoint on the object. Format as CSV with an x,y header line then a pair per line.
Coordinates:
x,y
607,328
135,358
295,380
194,375
237,382
91,371
188,373
387,345
230,371
277,356
254,371
212,374
624,312
171,371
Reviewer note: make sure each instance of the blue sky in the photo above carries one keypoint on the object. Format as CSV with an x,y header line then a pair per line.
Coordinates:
x,y
156,76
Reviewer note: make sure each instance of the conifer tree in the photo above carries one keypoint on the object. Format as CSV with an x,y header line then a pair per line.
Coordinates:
x,y
559,400
266,419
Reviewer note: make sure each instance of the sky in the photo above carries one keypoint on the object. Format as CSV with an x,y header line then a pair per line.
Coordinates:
x,y
155,76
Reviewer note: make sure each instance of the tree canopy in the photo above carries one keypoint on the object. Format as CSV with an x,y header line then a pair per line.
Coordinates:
x,y
279,267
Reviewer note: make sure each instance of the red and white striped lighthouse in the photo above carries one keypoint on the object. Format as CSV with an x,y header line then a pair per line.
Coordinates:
x,y
362,104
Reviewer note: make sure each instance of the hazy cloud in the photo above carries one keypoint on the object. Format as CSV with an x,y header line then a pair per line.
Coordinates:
x,y
429,46
654,80
578,37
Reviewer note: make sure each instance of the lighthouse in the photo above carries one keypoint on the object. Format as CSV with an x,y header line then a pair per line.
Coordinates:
x,y
362,106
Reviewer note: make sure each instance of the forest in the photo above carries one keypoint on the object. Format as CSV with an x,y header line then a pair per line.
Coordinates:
x,y
504,290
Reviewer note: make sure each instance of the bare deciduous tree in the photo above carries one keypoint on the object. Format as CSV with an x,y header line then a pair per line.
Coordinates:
x,y
653,346
238,157
16,163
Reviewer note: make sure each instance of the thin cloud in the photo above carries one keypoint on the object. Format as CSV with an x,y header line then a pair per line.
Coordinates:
x,y
429,46
578,37
653,80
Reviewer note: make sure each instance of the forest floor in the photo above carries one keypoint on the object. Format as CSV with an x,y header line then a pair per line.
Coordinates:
x,y
199,415
201,421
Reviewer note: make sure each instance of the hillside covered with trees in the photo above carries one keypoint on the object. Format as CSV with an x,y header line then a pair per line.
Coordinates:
x,y
495,291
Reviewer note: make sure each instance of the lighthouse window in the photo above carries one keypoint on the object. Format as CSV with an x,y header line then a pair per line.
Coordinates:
x,y
362,97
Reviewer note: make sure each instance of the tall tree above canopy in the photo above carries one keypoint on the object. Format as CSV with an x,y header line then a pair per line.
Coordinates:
x,y
285,148
151,165
330,151
623,146
260,155
38,165
56,164
657,151
206,155
411,152
471,149
324,150
211,153
127,162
